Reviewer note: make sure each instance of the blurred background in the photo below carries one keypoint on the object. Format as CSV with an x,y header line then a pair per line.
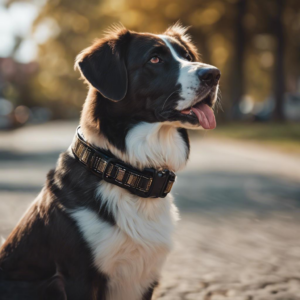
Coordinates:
x,y
256,44
239,196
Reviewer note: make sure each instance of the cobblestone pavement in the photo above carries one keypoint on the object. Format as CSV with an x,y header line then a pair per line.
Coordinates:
x,y
238,237
237,258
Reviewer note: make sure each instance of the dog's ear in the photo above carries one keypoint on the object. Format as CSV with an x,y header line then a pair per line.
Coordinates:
x,y
103,64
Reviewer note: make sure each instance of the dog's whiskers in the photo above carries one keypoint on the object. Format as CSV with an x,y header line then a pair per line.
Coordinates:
x,y
168,99
218,102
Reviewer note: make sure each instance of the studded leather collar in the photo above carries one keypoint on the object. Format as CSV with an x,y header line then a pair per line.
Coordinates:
x,y
149,183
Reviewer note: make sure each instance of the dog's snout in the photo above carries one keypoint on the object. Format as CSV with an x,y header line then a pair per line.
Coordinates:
x,y
210,76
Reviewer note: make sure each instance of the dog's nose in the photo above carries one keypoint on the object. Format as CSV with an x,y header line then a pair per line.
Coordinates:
x,y
210,76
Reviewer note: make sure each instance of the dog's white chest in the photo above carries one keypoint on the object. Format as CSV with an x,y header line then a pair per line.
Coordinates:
x,y
132,252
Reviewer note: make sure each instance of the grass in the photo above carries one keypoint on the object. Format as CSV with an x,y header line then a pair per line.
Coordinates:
x,y
284,137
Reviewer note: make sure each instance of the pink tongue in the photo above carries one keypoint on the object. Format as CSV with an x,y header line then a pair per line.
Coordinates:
x,y
205,116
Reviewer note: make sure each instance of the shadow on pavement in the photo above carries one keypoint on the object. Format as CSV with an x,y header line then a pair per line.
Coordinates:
x,y
19,188
38,157
232,191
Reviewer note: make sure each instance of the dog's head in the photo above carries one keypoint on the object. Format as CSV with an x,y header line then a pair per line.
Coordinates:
x,y
152,78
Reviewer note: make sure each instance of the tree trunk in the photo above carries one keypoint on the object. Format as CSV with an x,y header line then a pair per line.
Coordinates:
x,y
238,63
279,84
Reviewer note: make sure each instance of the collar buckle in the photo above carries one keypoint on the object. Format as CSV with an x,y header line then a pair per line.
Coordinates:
x,y
162,182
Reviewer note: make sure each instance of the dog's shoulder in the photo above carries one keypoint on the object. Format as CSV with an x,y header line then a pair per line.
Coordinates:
x,y
40,257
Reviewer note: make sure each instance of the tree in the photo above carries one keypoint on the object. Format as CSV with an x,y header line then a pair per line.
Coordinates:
x,y
237,36
238,88
279,76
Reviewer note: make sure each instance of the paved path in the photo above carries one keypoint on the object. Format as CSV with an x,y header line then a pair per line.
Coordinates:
x,y
240,205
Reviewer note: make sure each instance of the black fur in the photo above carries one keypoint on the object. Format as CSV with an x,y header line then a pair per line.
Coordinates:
x,y
148,295
46,255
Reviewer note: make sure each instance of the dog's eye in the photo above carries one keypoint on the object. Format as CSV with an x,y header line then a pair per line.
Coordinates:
x,y
187,56
155,60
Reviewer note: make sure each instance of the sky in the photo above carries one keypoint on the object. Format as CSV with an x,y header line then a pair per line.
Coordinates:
x,y
16,21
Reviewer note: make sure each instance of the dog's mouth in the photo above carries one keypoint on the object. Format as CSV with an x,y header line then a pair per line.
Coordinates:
x,y
202,112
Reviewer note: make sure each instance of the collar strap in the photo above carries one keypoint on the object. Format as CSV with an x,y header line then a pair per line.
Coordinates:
x,y
148,183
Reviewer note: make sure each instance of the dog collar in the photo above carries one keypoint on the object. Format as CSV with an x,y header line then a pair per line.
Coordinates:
x,y
149,183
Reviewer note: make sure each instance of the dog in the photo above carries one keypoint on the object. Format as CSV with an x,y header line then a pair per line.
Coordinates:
x,y
101,228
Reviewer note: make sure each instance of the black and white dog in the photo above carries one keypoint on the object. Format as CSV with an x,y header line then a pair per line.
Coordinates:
x,y
86,237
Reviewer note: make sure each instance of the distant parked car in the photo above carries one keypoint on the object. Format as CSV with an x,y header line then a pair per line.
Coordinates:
x,y
292,107
263,111
12,117
6,114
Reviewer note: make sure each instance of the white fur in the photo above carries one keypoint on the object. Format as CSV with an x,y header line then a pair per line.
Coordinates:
x,y
157,145
187,78
132,252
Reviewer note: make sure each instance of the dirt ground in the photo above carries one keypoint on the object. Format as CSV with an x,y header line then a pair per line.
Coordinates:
x,y
238,237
